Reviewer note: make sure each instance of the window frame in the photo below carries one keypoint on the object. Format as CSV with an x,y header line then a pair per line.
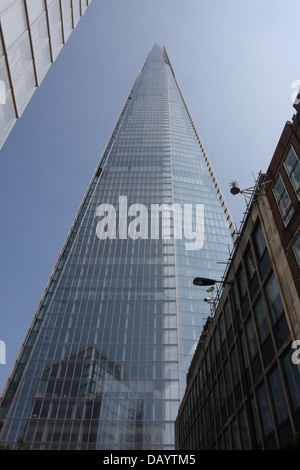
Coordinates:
x,y
289,210
297,239
289,173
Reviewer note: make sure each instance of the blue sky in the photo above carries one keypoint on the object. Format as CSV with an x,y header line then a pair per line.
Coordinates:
x,y
235,62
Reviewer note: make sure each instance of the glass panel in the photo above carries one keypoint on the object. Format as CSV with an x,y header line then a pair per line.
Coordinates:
x,y
76,11
67,24
54,16
235,435
227,379
43,62
244,430
260,242
250,264
251,335
83,6
242,283
57,41
39,34
292,374
5,4
14,24
255,420
66,5
262,319
19,57
234,367
283,200
35,9
274,299
264,405
292,166
222,329
227,315
296,248
25,88
278,396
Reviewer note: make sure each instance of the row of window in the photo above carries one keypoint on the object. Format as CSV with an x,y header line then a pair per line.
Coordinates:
x,y
265,410
250,329
283,200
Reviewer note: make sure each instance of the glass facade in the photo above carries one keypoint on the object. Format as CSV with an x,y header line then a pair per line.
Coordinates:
x,y
104,363
32,33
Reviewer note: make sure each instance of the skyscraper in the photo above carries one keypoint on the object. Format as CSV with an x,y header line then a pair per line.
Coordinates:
x,y
104,363
32,33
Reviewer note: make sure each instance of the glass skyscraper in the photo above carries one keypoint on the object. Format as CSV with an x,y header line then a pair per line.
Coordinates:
x,y
104,363
32,33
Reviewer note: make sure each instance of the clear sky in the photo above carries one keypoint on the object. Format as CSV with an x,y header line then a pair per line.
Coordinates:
x,y
235,61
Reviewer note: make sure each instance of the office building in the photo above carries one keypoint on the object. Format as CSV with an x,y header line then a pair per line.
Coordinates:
x,y
104,363
32,33
243,386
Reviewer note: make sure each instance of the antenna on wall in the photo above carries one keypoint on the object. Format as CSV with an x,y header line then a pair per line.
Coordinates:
x,y
248,192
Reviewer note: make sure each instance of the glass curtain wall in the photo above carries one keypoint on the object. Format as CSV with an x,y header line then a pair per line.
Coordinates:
x,y
32,33
104,364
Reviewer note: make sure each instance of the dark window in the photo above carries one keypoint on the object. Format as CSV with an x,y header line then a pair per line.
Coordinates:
x,y
250,264
296,248
262,319
292,375
292,166
260,242
264,405
279,399
274,299
283,200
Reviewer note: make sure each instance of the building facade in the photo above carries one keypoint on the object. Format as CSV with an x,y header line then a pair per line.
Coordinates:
x,y
32,33
243,387
104,363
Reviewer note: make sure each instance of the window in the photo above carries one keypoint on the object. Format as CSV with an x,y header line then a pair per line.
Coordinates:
x,y
296,248
260,242
292,374
244,430
262,319
251,335
222,329
274,299
283,200
241,283
255,420
227,316
292,166
264,406
234,367
278,396
250,264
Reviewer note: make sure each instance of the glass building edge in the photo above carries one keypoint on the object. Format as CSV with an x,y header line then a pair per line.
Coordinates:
x,y
33,65
260,335
18,367
183,317
230,222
